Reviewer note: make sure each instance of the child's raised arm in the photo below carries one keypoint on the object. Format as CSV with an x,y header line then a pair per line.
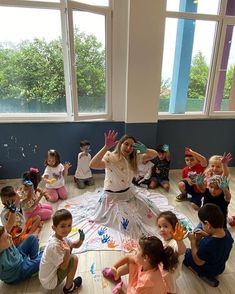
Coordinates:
x,y
226,158
78,243
202,159
223,185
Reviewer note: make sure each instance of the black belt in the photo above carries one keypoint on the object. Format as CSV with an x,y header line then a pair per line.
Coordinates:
x,y
120,191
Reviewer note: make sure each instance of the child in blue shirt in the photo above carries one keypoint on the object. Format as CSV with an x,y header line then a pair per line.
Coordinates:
x,y
210,247
18,264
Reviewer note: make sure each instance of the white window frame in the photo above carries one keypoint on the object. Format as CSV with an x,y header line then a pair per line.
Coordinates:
x,y
65,7
222,19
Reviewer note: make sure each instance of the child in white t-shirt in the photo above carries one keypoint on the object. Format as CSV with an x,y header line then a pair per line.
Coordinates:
x,y
144,172
57,261
83,175
54,175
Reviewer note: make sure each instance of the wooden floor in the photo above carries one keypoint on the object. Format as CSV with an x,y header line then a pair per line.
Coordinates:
x,y
94,283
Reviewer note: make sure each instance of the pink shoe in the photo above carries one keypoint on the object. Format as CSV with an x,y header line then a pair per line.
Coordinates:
x,y
108,274
117,287
231,221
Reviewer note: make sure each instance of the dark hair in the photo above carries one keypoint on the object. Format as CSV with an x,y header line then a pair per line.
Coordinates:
x,y
8,191
170,217
61,215
53,153
159,149
34,176
133,156
84,143
188,155
2,230
154,249
212,214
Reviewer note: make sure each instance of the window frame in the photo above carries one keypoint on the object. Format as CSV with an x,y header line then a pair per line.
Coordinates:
x,y
66,8
221,18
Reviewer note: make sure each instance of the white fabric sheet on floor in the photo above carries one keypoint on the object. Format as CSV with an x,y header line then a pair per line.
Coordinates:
x,y
115,221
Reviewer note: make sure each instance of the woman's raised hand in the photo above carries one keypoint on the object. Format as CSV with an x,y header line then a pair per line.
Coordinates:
x,y
110,139
140,147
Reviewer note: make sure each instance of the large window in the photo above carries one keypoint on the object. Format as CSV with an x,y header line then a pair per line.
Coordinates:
x,y
199,58
53,60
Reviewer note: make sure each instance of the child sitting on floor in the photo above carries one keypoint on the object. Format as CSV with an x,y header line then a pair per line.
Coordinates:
x,y
18,264
217,193
160,171
207,257
83,175
13,219
144,172
195,165
143,268
172,233
30,202
58,262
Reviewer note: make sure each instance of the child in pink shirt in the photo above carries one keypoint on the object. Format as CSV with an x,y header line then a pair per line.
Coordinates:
x,y
143,268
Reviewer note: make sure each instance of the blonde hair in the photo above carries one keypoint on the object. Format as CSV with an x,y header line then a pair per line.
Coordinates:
x,y
215,158
132,159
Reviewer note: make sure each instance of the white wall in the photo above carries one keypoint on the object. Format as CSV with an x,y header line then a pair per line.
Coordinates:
x,y
138,36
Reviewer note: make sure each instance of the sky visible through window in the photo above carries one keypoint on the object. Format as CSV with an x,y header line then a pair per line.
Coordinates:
x,y
204,34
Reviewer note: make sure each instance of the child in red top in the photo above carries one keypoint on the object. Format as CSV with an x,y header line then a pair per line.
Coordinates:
x,y
195,165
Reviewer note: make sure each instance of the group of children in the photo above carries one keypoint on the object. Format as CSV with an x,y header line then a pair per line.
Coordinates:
x,y
156,263
201,182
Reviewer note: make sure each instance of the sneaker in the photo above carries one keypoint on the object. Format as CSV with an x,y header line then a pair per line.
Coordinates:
x,y
181,197
76,284
213,282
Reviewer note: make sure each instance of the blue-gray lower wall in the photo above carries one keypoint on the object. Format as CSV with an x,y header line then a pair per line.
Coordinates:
x,y
24,145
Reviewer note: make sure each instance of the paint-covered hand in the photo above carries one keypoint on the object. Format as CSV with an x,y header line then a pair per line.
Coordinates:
x,y
81,234
51,181
67,165
110,139
140,147
200,180
179,232
223,183
187,150
165,147
10,205
226,158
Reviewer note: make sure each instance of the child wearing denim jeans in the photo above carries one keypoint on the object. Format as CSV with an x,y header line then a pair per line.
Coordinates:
x,y
18,264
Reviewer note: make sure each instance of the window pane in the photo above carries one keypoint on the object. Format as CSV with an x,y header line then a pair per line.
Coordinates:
x,y
57,1
196,6
31,61
95,2
89,39
225,94
230,9
185,73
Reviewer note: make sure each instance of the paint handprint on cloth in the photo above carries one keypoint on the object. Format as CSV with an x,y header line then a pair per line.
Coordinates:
x,y
124,223
112,244
149,214
105,238
128,245
102,231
